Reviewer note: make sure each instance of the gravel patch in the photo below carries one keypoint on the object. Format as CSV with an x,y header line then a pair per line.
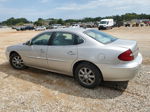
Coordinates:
x,y
35,90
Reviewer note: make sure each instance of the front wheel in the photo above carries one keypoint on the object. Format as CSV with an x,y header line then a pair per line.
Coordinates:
x,y
88,75
16,61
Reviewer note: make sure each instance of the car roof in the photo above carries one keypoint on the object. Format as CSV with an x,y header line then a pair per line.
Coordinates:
x,y
73,30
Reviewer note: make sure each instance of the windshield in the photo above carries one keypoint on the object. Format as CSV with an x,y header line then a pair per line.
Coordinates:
x,y
100,36
104,22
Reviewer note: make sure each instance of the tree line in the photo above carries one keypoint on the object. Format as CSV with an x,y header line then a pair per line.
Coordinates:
x,y
12,21
118,18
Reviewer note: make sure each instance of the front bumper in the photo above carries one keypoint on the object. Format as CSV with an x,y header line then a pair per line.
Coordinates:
x,y
121,72
102,27
7,54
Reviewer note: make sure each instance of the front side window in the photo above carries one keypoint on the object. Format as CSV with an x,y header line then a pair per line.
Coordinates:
x,y
62,38
42,39
100,36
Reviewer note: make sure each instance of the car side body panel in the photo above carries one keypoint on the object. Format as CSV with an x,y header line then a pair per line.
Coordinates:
x,y
61,59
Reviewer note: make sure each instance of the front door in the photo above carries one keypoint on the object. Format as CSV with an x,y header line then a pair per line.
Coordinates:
x,y
36,53
62,52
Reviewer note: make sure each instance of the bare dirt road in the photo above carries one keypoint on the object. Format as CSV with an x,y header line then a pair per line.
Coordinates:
x,y
33,90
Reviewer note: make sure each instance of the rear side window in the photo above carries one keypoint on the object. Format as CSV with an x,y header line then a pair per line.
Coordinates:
x,y
63,38
79,40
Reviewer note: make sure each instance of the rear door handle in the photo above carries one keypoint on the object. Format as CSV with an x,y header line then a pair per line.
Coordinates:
x,y
71,53
42,51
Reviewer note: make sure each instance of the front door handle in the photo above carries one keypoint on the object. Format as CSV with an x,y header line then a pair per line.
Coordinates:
x,y
71,53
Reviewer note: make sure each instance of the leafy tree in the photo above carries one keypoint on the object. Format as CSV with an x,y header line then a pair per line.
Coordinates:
x,y
60,21
13,21
39,22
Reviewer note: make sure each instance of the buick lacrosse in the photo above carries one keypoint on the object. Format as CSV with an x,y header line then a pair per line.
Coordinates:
x,y
90,56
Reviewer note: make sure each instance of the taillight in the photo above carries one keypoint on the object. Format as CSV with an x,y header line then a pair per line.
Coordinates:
x,y
126,56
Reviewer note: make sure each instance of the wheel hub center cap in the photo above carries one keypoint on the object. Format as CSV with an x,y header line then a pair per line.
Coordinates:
x,y
18,62
86,76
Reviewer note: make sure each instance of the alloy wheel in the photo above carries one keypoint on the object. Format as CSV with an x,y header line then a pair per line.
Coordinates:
x,y
17,62
86,76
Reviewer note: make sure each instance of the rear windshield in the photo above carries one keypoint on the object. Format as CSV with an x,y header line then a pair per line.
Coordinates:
x,y
100,36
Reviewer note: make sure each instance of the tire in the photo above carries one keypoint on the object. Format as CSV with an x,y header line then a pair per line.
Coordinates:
x,y
16,62
88,75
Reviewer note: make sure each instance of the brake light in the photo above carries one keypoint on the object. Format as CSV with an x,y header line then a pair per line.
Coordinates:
x,y
126,56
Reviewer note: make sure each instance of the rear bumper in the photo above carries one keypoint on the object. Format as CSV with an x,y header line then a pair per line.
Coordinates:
x,y
121,72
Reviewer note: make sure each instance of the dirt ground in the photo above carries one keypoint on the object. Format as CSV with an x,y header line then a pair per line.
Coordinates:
x,y
33,90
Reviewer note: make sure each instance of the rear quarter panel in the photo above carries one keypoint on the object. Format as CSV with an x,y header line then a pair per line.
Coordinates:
x,y
100,54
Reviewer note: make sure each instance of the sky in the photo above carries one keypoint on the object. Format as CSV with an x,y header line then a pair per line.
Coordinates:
x,y
70,9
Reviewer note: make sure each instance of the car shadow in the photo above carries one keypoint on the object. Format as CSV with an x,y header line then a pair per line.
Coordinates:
x,y
64,84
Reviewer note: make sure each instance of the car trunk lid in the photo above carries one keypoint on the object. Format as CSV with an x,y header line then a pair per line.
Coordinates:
x,y
129,44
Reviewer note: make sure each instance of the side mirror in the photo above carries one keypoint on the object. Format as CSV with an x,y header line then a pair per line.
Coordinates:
x,y
29,43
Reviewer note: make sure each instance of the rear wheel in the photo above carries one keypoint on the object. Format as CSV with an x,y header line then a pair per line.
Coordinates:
x,y
88,75
16,61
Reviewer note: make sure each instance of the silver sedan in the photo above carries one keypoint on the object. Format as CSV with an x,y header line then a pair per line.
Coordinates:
x,y
89,55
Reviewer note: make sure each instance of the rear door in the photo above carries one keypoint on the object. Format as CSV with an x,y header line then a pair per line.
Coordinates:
x,y
62,52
